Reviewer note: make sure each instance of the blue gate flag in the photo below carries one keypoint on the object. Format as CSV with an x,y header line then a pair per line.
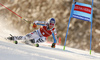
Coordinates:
x,y
81,11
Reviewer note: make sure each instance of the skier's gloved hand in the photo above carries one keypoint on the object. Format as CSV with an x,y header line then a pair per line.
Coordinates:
x,y
34,25
53,45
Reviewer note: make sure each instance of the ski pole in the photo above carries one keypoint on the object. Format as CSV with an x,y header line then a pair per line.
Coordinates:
x,y
14,12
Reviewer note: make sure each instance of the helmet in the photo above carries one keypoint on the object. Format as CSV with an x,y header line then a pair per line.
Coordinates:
x,y
51,21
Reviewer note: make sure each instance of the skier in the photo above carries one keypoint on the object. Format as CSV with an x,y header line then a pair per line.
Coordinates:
x,y
40,35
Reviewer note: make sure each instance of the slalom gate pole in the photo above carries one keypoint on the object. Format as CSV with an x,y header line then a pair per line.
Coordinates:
x,y
91,28
14,12
68,26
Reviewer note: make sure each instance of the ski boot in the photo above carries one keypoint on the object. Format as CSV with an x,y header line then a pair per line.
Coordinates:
x,y
53,45
12,39
33,41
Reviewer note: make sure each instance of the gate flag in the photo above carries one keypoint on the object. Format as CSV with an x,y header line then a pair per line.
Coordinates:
x,y
83,12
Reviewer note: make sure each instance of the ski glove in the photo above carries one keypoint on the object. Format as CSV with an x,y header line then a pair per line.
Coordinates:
x,y
53,45
34,25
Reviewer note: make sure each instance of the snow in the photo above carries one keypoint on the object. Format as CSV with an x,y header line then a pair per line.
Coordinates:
x,y
21,51
11,51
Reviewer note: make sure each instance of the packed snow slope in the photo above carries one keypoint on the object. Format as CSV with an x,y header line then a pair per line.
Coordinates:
x,y
11,51
21,51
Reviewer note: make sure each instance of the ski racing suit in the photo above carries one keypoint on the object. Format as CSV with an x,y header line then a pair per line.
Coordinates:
x,y
39,35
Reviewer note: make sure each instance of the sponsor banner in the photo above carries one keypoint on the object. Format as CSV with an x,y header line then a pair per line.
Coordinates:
x,y
83,9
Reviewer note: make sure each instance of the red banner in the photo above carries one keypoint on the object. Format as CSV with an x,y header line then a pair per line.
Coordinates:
x,y
83,9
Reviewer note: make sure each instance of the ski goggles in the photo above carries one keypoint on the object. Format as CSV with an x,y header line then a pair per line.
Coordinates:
x,y
52,24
